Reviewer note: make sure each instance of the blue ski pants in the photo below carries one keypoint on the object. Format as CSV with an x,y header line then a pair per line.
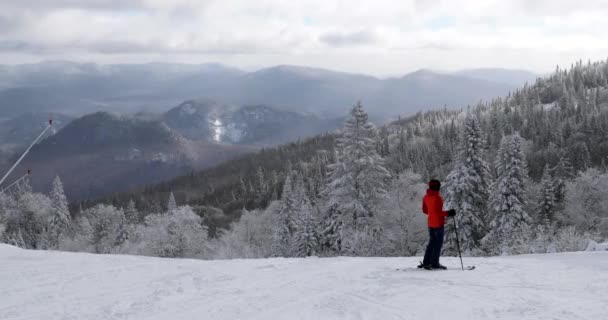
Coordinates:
x,y
433,249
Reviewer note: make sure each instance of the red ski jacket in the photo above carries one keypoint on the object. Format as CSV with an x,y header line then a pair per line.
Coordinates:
x,y
432,205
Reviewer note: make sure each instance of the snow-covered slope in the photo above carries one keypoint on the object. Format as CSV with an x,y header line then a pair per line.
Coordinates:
x,y
58,285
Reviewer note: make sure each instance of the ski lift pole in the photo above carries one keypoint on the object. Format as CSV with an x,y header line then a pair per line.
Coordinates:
x,y
26,152
29,172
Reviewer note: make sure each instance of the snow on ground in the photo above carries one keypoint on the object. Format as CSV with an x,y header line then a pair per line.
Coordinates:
x,y
60,285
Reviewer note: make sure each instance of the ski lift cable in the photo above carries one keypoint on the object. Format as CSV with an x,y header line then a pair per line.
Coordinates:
x,y
26,152
17,181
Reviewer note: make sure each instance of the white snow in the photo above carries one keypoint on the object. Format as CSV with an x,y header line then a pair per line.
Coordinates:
x,y
160,157
187,110
594,246
234,133
60,285
218,129
549,106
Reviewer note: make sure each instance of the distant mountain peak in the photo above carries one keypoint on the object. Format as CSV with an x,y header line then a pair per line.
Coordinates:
x,y
423,74
216,122
307,72
80,88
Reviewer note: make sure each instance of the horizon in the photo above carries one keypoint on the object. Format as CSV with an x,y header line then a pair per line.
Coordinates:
x,y
382,39
329,69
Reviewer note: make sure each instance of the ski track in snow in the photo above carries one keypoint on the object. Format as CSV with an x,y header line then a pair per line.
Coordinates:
x,y
61,285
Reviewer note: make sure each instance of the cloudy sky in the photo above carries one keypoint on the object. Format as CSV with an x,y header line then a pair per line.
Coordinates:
x,y
378,37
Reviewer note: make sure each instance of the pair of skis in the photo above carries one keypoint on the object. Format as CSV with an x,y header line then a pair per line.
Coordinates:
x,y
459,253
469,268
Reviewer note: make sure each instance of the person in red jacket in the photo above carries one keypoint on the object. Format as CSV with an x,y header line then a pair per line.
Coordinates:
x,y
432,205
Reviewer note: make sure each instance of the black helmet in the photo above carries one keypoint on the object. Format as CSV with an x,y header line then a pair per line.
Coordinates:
x,y
434,185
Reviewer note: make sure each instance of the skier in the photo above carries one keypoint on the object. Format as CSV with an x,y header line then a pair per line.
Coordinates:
x,y
432,205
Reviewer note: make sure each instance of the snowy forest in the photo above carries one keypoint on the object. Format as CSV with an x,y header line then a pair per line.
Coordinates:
x,y
526,173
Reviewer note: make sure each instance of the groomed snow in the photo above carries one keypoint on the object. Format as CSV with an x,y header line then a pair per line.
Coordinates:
x,y
59,285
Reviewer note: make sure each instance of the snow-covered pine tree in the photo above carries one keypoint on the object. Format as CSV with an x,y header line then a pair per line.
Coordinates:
x,y
330,233
459,184
467,186
261,187
282,229
131,213
358,178
561,173
274,182
122,229
336,200
585,157
171,204
546,199
59,220
305,239
508,194
243,187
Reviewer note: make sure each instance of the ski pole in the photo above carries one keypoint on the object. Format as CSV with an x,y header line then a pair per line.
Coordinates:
x,y
458,243
26,152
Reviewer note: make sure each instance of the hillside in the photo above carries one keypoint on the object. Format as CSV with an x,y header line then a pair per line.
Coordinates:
x,y
108,153
231,185
85,286
102,153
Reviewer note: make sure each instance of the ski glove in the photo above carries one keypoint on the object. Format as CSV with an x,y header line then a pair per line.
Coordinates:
x,y
451,213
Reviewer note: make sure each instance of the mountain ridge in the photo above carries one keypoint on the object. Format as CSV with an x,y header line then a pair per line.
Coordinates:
x,y
83,88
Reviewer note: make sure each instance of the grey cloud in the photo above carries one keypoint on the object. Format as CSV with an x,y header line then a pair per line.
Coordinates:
x,y
8,24
44,5
117,47
109,46
20,46
561,7
350,39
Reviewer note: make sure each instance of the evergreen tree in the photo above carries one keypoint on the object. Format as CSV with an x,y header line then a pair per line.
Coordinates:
x,y
274,178
305,240
508,197
562,172
283,221
261,187
171,204
584,157
59,223
358,178
122,230
330,236
546,199
131,213
300,192
467,186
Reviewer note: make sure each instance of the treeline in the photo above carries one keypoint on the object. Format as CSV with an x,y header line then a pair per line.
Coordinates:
x,y
248,182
